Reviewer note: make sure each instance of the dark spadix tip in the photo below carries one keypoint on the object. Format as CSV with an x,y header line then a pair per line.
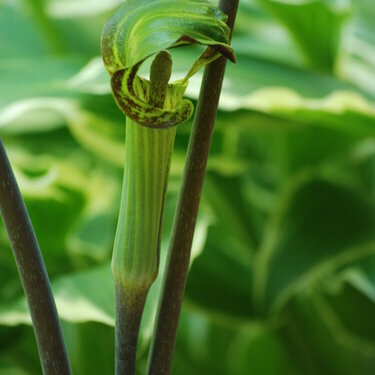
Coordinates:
x,y
160,73
161,68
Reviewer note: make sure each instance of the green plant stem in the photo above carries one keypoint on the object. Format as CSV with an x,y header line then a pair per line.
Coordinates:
x,y
134,276
164,338
33,273
129,309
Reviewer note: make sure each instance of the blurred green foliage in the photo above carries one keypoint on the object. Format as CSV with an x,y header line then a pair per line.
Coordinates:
x,y
283,273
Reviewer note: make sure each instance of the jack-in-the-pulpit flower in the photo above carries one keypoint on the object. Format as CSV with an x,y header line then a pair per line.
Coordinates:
x,y
138,30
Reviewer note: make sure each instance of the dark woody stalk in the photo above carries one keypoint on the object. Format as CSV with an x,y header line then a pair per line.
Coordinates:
x,y
164,338
33,274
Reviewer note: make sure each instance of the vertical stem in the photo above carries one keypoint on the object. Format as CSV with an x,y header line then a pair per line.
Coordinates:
x,y
33,273
164,338
136,250
129,309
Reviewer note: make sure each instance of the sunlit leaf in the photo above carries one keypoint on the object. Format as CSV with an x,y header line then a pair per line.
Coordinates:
x,y
315,25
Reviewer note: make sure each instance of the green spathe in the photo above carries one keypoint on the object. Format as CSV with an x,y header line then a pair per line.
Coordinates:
x,y
138,30
148,156
141,28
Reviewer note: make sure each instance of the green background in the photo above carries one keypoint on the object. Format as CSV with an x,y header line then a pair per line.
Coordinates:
x,y
282,279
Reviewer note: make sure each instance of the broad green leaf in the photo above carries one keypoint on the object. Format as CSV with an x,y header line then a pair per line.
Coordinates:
x,y
257,34
321,148
100,135
354,319
57,189
19,349
208,346
47,28
317,225
357,63
321,348
315,25
220,278
9,369
202,345
14,26
227,201
343,110
91,347
259,351
73,9
78,298
47,78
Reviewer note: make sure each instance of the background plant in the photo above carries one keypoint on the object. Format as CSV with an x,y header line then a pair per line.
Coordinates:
x,y
283,274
